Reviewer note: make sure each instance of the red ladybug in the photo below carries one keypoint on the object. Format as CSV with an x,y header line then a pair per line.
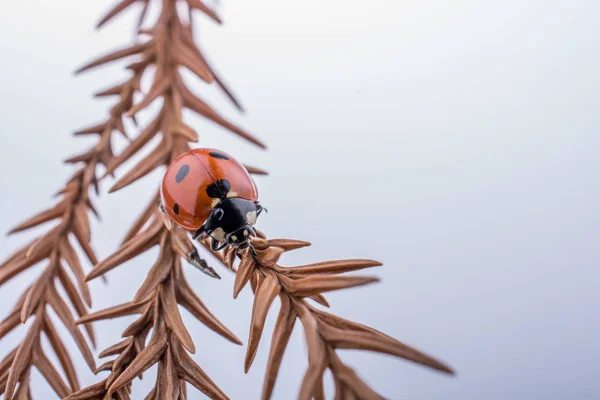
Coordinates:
x,y
208,191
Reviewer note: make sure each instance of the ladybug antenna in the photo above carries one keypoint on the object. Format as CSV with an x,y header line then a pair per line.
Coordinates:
x,y
260,209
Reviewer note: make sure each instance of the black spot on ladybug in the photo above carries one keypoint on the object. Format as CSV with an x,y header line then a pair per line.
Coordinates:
x,y
176,209
218,155
219,189
182,173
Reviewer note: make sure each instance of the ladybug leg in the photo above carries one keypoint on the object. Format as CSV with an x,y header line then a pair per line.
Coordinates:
x,y
252,250
239,252
200,263
199,232
214,245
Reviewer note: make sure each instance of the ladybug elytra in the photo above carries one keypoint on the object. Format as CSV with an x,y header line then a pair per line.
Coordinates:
x,y
208,191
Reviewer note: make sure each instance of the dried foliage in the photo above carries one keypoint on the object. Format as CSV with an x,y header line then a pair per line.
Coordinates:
x,y
169,46
158,336
324,332
157,303
57,249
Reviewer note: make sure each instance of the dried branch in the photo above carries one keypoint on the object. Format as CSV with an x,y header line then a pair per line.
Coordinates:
x,y
158,336
157,303
324,332
56,248
169,48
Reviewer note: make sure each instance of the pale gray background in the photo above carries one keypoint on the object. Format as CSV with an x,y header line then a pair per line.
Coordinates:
x,y
455,141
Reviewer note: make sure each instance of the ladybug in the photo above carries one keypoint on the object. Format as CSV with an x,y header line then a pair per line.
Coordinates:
x,y
208,191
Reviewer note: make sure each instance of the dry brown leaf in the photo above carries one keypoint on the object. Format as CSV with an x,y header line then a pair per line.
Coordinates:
x,y
319,298
187,58
192,373
95,391
144,217
157,158
23,392
35,293
332,267
143,13
63,312
136,144
40,218
173,318
348,382
281,336
189,300
244,271
9,323
22,358
345,339
158,88
266,293
148,357
52,376
116,348
76,301
255,171
269,256
158,273
112,312
67,252
96,129
168,383
198,106
122,5
61,353
198,4
132,248
116,55
317,284
317,356
139,326
86,247
112,91
20,264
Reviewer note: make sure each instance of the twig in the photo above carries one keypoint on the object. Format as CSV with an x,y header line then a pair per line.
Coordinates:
x,y
157,301
56,248
170,47
324,332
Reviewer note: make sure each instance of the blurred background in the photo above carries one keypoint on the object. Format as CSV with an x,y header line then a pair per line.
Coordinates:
x,y
456,142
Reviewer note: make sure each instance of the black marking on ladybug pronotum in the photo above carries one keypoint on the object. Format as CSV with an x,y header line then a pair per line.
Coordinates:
x,y
182,173
218,155
219,189
176,209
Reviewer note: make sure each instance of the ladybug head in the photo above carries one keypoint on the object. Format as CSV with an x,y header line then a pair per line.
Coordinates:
x,y
232,222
